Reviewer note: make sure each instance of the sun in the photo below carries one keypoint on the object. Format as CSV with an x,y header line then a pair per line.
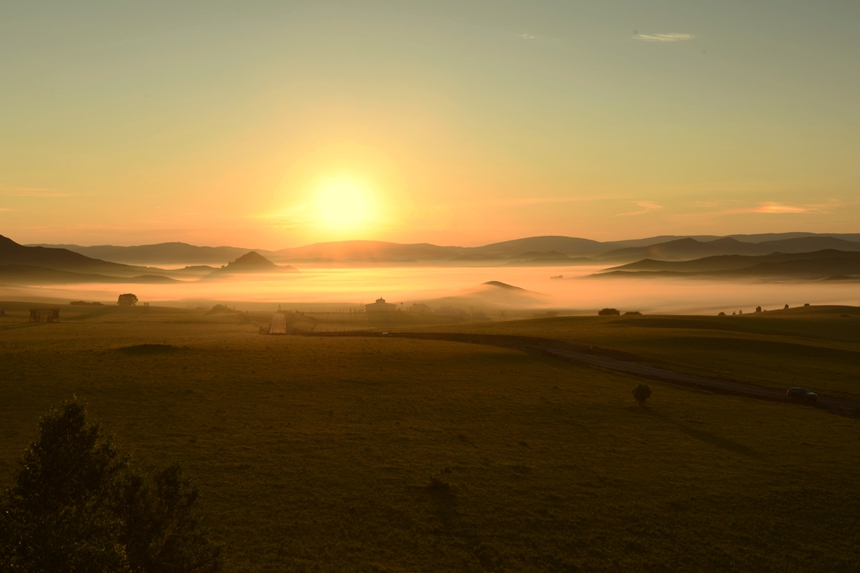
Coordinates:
x,y
343,203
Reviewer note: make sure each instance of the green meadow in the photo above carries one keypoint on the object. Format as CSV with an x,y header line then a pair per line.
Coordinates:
x,y
385,454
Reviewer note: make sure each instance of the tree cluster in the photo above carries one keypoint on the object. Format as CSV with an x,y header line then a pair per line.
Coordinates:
x,y
127,299
78,506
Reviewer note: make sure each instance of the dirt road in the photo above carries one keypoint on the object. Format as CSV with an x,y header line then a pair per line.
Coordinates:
x,y
627,363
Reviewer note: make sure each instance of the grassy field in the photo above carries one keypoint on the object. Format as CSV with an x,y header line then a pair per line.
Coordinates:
x,y
817,347
385,454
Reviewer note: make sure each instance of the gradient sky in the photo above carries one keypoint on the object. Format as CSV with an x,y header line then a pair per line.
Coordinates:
x,y
453,122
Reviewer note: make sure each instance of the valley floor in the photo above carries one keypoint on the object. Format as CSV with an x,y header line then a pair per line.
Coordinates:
x,y
391,454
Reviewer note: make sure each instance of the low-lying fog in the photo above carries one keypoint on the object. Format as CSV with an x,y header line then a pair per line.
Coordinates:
x,y
353,286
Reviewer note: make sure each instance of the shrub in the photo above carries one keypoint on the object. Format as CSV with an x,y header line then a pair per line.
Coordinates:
x,y
608,312
77,506
632,313
722,314
642,392
127,299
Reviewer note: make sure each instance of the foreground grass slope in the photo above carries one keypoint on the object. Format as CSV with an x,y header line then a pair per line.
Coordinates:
x,y
381,454
818,347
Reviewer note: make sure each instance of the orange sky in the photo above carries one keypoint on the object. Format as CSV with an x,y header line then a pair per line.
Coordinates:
x,y
272,124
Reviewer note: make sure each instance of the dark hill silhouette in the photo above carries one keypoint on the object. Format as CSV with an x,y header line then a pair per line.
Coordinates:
x,y
173,253
725,262
500,284
798,266
252,262
689,249
685,249
11,253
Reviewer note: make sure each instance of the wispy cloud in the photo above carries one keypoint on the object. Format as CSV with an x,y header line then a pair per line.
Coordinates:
x,y
526,36
783,208
644,207
672,37
16,191
769,207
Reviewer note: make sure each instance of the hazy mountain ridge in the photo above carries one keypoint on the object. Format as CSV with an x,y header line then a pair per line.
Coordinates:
x,y
691,249
28,274
172,253
667,247
11,253
797,266
22,265
368,251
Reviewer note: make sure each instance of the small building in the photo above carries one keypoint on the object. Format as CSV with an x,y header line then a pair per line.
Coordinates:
x,y
380,306
419,308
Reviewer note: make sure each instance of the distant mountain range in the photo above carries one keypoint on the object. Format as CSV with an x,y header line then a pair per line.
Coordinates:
x,y
25,265
687,249
541,250
825,264
804,256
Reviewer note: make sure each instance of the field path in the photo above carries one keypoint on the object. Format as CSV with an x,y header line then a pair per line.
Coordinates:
x,y
623,362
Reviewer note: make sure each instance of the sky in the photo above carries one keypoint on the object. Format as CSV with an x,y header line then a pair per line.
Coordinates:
x,y
273,124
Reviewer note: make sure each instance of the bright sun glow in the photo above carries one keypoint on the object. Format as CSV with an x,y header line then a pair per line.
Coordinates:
x,y
343,203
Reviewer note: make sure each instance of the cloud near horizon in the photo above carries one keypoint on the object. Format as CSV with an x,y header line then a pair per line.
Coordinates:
x,y
782,208
672,37
645,207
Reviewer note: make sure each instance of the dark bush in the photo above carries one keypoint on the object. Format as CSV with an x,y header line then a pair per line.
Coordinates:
x,y
77,506
642,392
722,314
632,313
608,312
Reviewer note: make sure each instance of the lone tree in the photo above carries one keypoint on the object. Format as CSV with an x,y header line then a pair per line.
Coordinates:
x,y
642,392
77,506
127,299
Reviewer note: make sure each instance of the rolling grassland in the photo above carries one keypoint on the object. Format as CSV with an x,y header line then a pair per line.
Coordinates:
x,y
817,347
387,454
